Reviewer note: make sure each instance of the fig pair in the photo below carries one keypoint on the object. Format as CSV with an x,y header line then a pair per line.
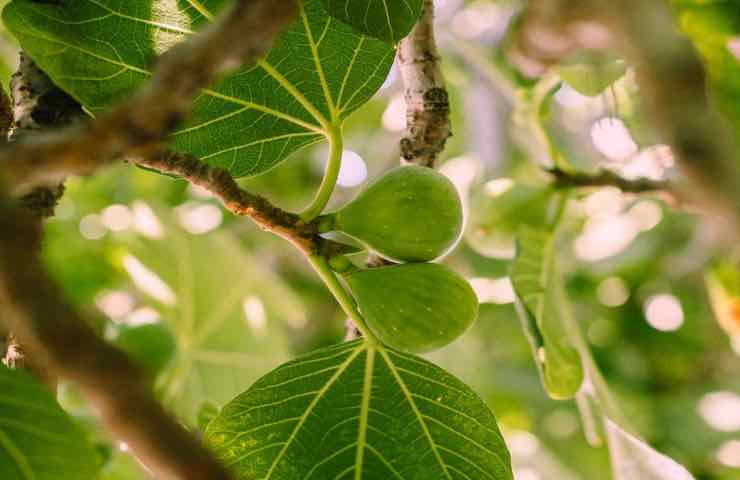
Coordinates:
x,y
411,214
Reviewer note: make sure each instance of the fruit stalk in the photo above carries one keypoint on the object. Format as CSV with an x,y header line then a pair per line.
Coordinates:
x,y
322,268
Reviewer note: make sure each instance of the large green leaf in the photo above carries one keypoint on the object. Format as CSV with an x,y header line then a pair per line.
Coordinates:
x,y
212,281
317,73
359,411
533,276
38,440
388,20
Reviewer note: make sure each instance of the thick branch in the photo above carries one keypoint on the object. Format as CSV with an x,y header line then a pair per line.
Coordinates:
x,y
34,310
304,236
427,102
242,34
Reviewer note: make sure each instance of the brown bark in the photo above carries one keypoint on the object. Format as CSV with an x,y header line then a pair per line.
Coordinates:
x,y
427,102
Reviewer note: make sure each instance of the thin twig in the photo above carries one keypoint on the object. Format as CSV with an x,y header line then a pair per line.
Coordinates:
x,y
606,178
665,190
427,102
303,235
139,125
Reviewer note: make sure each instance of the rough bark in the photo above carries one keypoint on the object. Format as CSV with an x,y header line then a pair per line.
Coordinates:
x,y
427,102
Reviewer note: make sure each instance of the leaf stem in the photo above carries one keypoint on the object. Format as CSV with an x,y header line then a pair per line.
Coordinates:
x,y
321,265
336,147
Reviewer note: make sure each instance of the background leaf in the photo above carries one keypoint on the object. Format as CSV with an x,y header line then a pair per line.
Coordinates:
x,y
360,411
38,440
388,20
211,283
316,74
533,275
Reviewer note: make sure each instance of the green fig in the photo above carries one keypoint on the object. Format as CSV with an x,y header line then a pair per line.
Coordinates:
x,y
410,214
414,307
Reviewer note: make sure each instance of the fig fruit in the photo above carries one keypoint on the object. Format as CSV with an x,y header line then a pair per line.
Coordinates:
x,y
414,307
410,214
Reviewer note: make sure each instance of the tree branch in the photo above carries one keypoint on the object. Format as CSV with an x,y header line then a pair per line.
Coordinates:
x,y
304,236
427,102
605,178
38,105
242,34
428,123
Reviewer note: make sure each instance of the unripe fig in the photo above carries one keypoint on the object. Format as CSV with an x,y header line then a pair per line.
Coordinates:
x,y
410,214
414,307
